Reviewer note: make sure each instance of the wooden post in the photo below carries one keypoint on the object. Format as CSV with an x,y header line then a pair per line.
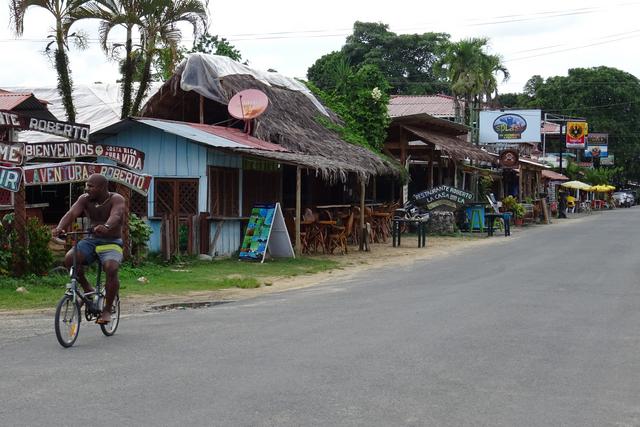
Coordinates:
x,y
364,238
126,238
432,153
298,209
19,224
201,109
455,174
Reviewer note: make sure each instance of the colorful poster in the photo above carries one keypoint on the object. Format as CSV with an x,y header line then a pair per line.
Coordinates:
x,y
254,244
576,134
266,230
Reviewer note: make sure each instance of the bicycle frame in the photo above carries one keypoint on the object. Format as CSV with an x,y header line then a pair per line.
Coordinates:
x,y
92,308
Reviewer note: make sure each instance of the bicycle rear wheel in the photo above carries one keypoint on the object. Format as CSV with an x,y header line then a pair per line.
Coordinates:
x,y
110,328
67,321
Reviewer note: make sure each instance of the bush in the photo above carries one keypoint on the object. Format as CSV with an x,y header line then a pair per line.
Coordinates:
x,y
39,256
139,232
7,240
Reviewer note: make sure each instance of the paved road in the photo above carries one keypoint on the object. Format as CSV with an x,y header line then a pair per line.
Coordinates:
x,y
539,330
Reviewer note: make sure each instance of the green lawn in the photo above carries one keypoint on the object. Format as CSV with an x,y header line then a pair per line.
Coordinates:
x,y
175,278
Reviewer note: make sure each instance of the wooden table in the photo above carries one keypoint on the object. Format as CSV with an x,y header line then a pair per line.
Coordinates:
x,y
490,218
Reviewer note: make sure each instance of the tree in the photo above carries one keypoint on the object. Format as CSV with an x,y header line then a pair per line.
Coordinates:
x,y
471,73
609,99
62,11
406,60
114,13
158,20
206,43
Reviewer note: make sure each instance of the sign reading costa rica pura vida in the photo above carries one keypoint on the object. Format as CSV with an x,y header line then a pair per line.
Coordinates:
x,y
443,196
73,131
126,156
60,173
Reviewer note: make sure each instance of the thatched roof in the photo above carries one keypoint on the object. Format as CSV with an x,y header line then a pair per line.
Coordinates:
x,y
290,121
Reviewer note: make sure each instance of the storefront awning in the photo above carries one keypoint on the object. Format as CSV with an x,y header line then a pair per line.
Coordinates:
x,y
454,147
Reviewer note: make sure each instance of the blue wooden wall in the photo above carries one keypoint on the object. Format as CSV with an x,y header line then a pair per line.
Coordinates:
x,y
172,156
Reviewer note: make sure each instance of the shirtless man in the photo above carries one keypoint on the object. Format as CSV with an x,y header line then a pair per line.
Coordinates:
x,y
105,211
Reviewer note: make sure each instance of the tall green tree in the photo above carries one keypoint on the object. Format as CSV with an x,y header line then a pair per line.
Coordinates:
x,y
406,60
471,73
62,11
158,28
609,99
112,14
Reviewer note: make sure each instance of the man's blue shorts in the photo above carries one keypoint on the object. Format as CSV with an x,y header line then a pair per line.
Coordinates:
x,y
105,249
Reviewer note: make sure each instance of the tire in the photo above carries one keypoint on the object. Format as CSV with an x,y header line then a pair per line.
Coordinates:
x,y
110,328
67,321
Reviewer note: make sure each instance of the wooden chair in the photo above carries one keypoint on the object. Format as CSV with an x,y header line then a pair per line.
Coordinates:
x,y
338,236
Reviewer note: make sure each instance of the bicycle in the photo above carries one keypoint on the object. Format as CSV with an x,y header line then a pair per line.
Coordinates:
x,y
68,310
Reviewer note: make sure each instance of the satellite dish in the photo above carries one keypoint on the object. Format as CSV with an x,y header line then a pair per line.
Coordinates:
x,y
248,104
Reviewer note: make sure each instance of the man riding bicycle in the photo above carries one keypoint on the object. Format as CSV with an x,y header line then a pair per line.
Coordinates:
x,y
105,211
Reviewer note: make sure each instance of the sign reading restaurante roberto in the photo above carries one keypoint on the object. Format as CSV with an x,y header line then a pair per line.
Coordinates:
x,y
443,195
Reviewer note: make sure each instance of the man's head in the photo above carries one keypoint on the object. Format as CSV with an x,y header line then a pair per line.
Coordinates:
x,y
96,187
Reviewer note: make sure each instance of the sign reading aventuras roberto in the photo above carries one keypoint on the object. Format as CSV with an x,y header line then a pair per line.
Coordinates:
x,y
509,126
60,173
443,196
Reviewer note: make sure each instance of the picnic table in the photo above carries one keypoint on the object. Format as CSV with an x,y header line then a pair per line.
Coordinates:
x,y
422,230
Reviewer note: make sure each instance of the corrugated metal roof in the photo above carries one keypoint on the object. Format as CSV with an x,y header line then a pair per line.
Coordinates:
x,y
238,136
10,100
554,175
435,105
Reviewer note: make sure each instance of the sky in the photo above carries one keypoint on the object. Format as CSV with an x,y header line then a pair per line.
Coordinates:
x,y
533,37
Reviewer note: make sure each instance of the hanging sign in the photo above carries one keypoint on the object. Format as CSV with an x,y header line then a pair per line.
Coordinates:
x,y
74,131
576,134
11,153
509,158
266,230
10,178
125,156
597,146
60,173
443,196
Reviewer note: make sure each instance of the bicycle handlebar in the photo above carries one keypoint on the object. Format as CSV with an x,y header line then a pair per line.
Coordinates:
x,y
62,236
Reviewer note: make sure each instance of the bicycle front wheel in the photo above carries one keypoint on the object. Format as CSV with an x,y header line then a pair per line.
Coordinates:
x,y
110,328
67,321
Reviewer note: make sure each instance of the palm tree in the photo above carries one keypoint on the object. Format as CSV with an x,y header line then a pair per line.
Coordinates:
x,y
62,11
114,13
472,73
158,19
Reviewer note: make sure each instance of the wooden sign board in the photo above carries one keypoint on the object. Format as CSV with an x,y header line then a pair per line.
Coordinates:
x,y
11,153
443,196
129,157
266,231
60,173
10,178
73,131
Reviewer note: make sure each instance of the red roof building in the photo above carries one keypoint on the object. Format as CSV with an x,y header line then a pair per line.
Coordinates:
x,y
441,106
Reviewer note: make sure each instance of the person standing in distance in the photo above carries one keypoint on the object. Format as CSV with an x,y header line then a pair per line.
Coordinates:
x,y
106,212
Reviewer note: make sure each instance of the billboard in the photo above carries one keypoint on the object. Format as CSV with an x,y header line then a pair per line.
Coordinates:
x,y
576,134
511,126
597,146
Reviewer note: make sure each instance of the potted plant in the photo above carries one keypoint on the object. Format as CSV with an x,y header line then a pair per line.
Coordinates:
x,y
518,214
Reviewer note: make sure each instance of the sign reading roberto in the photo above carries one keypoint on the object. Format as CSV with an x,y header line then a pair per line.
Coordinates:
x,y
60,173
75,131
443,195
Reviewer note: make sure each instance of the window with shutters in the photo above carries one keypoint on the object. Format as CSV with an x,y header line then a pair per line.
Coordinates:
x,y
176,197
224,198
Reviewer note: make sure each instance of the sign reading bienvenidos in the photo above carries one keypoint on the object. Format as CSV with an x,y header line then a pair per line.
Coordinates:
x,y
126,156
73,131
61,173
443,196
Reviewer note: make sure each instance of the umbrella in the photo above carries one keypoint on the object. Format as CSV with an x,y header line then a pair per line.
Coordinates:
x,y
576,185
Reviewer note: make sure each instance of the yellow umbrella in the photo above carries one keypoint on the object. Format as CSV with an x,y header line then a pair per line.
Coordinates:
x,y
576,185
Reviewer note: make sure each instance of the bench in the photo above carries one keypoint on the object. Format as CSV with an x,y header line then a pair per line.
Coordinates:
x,y
529,216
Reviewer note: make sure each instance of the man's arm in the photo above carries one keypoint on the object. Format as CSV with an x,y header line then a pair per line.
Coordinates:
x,y
75,211
113,224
